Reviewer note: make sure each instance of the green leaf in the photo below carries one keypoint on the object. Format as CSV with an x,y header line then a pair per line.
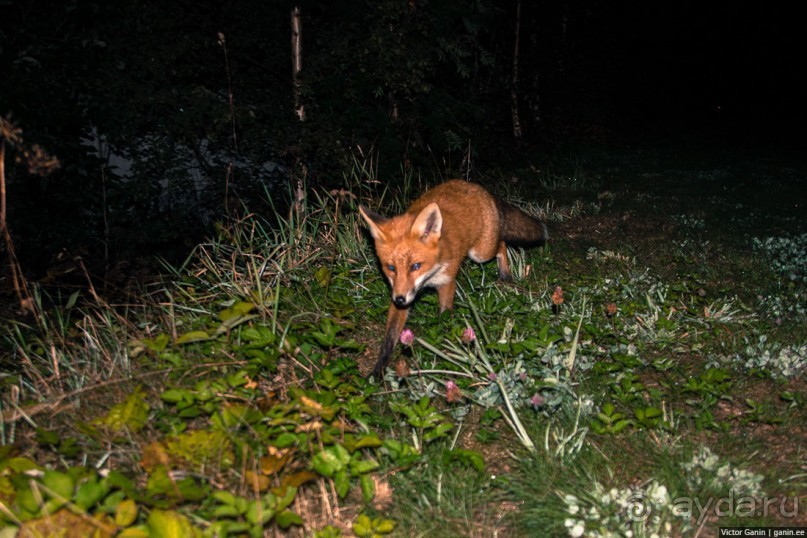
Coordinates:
x,y
27,500
259,513
367,441
224,497
323,276
363,526
286,439
239,309
193,336
341,481
159,482
384,526
285,496
468,457
287,518
156,344
331,460
60,484
126,513
439,431
71,301
90,492
175,395
18,464
47,437
132,414
620,425
367,487
118,480
170,524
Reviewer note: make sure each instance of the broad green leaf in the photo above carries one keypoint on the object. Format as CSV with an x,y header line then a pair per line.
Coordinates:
x,y
193,336
384,526
60,484
239,309
284,496
362,526
367,487
174,395
90,492
287,518
126,513
360,467
230,323
224,497
367,441
620,425
341,481
438,431
27,500
258,513
132,414
18,464
331,460
170,524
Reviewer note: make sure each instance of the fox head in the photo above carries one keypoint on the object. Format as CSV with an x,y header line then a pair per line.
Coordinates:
x,y
408,248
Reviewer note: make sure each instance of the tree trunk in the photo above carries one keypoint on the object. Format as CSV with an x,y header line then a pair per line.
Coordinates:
x,y
514,83
297,61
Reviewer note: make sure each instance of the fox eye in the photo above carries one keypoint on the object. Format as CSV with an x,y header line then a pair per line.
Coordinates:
x,y
415,266
391,268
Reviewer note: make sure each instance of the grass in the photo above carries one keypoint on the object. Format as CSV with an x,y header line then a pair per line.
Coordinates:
x,y
645,368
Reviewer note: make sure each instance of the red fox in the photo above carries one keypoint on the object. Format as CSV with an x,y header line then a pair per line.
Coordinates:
x,y
425,246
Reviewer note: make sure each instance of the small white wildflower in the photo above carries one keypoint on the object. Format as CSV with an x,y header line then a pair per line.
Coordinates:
x,y
572,504
710,462
658,494
577,531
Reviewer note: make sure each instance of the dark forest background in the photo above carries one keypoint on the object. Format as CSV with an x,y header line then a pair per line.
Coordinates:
x,y
414,84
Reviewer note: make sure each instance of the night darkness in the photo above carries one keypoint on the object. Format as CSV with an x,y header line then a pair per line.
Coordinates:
x,y
732,67
414,82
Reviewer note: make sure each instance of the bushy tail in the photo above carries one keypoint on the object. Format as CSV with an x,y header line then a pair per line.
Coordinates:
x,y
520,229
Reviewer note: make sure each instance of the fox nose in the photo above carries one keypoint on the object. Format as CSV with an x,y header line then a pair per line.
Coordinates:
x,y
399,300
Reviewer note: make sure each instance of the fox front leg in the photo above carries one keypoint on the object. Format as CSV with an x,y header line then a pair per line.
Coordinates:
x,y
396,320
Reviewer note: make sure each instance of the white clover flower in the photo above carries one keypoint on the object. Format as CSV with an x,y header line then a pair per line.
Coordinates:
x,y
658,494
577,531
711,460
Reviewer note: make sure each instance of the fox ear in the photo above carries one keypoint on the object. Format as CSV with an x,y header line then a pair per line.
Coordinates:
x,y
373,221
429,223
